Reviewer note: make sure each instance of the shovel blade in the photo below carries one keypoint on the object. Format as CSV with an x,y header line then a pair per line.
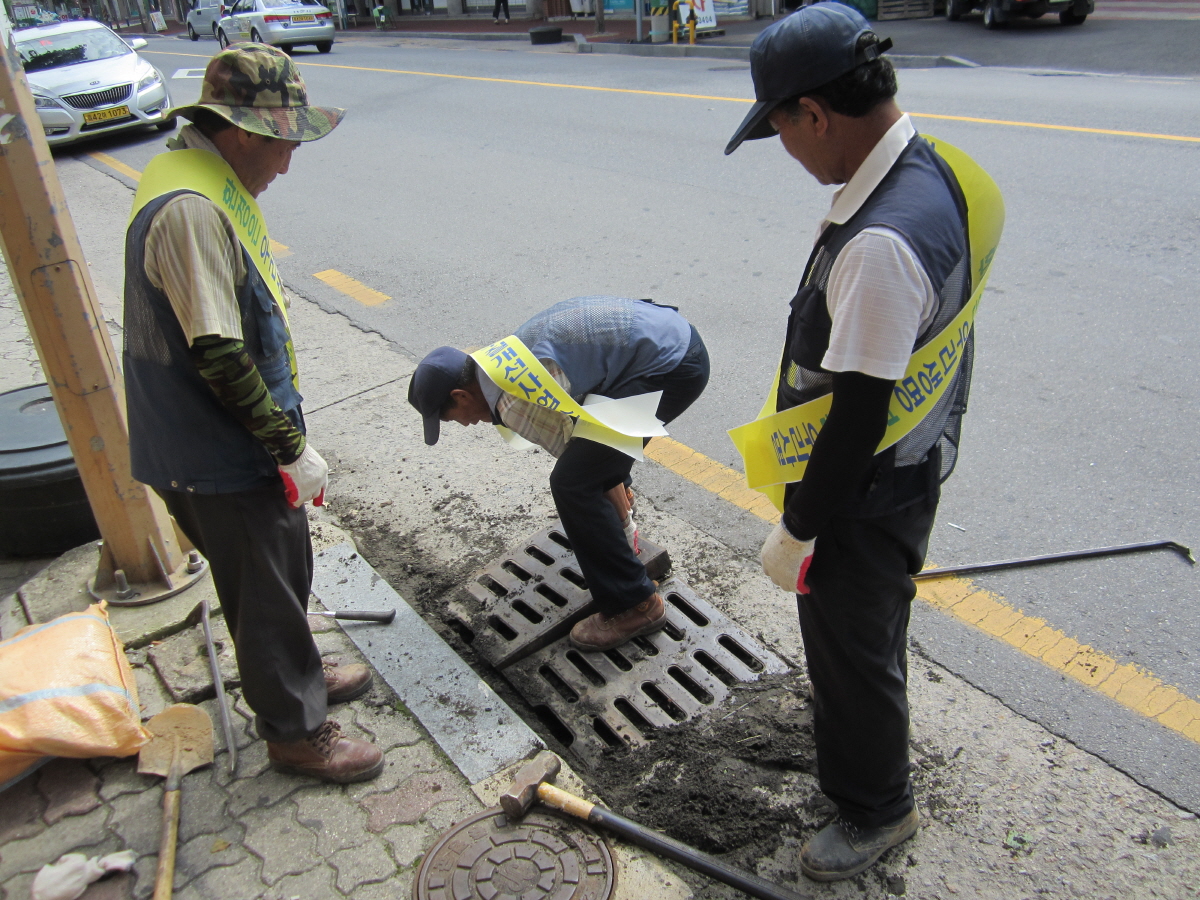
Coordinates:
x,y
181,726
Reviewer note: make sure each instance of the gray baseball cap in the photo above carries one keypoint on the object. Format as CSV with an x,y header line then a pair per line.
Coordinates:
x,y
805,50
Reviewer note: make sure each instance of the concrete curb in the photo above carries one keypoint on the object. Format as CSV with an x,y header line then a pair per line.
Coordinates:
x,y
475,728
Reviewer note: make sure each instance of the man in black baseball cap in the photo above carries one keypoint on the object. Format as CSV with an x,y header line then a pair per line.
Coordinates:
x,y
889,271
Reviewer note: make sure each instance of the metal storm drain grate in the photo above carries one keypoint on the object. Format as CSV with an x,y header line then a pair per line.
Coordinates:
x,y
532,597
594,701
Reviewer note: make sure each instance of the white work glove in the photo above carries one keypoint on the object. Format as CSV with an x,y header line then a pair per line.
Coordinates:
x,y
69,877
786,560
305,479
631,533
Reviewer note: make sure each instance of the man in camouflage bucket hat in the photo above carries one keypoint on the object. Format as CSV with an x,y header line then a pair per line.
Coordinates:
x,y
258,89
215,423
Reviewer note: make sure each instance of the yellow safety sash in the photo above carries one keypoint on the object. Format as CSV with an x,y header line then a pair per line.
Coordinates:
x,y
620,424
776,446
208,174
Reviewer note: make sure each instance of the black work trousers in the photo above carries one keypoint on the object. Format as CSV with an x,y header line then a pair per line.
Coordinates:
x,y
586,470
855,628
262,567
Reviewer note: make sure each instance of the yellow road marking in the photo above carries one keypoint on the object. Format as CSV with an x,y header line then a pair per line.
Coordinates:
x,y
612,90
278,250
1131,686
116,165
351,288
1139,134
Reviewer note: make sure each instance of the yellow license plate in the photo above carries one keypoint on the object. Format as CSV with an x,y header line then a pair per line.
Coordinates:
x,y
105,115
297,20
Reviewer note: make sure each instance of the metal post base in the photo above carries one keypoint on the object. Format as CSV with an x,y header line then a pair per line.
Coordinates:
x,y
111,585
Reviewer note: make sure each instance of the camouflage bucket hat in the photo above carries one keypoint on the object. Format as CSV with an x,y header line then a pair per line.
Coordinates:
x,y
259,89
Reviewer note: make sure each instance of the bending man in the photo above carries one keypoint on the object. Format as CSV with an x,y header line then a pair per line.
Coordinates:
x,y
589,345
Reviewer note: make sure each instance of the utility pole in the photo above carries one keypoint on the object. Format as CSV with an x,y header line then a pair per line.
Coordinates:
x,y
142,559
600,16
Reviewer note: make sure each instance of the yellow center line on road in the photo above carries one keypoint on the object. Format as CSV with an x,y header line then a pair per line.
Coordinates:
x,y
1131,686
611,90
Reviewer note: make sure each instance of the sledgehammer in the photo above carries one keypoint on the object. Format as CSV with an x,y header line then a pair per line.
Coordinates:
x,y
533,783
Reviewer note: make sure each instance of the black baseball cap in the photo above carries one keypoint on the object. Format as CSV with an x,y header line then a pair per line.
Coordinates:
x,y
429,390
805,50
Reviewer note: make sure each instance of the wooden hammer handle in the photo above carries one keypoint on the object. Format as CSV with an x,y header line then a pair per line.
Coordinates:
x,y
665,846
164,879
568,803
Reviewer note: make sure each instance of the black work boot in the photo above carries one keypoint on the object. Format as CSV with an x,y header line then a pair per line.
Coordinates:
x,y
840,850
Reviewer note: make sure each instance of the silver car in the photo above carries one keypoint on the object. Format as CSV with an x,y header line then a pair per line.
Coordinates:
x,y
86,81
284,23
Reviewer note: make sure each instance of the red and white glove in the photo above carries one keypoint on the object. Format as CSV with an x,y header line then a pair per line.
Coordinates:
x,y
305,479
786,560
631,533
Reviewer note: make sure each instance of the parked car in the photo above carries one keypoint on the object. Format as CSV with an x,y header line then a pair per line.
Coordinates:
x,y
202,18
998,13
284,23
87,81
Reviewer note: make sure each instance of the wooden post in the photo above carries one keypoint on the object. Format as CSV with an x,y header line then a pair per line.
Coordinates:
x,y
52,281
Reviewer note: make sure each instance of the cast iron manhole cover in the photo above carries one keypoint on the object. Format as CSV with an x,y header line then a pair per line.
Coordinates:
x,y
542,857
597,701
532,597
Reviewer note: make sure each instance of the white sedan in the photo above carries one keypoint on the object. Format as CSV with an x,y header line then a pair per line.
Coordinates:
x,y
86,81
283,23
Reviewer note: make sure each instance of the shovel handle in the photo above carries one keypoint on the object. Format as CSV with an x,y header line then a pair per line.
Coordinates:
x,y
164,879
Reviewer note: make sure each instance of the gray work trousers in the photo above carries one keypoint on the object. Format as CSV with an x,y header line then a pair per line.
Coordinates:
x,y
262,567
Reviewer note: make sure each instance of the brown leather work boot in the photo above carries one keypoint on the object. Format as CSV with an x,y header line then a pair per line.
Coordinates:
x,y
344,683
329,755
601,632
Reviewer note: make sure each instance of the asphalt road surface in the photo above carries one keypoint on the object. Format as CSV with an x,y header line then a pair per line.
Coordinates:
x,y
476,185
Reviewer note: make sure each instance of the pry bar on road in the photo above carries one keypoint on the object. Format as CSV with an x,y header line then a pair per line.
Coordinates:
x,y
1179,548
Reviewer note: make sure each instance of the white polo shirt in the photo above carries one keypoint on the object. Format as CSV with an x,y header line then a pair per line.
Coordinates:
x,y
878,294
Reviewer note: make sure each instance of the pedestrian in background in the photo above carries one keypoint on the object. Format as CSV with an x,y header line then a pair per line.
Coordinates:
x,y
496,11
890,270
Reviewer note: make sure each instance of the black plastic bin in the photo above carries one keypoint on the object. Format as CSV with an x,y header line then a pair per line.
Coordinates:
x,y
545,34
43,508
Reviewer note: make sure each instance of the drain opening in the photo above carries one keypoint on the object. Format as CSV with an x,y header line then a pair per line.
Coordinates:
x,y
744,656
527,611
551,594
618,660
574,577
540,555
606,734
493,585
646,645
555,681
686,682
662,701
513,569
585,668
714,668
640,723
502,628
687,609
553,724
460,628
673,631
560,539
